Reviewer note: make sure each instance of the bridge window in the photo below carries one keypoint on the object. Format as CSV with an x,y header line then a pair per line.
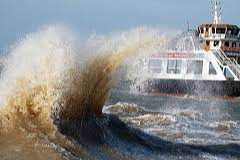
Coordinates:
x,y
155,65
174,66
213,30
234,45
195,67
216,43
234,32
237,32
229,31
226,44
212,70
221,30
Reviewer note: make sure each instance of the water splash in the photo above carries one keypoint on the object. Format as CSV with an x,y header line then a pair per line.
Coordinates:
x,y
29,84
48,76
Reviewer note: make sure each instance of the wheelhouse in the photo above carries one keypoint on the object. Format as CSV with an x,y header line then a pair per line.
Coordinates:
x,y
221,36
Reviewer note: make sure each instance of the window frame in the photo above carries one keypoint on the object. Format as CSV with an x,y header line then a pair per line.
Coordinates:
x,y
213,30
176,66
226,42
192,67
212,70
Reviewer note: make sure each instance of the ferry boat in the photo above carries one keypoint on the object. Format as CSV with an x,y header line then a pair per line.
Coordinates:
x,y
204,62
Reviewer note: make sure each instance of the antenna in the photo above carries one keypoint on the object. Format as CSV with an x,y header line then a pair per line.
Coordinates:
x,y
216,11
188,28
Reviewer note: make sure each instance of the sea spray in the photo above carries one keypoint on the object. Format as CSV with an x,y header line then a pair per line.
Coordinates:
x,y
50,75
46,77
92,85
30,82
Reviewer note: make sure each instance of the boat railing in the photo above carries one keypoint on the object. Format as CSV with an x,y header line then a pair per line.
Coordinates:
x,y
231,63
220,58
234,60
225,61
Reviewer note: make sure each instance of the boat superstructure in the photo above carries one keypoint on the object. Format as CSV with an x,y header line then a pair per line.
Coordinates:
x,y
205,58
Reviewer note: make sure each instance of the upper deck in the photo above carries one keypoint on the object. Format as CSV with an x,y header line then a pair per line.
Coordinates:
x,y
218,35
219,31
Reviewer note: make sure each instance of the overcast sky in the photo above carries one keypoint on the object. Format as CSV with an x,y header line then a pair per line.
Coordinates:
x,y
18,17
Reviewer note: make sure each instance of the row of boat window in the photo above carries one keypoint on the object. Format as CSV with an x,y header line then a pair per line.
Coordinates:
x,y
175,67
226,44
234,44
234,31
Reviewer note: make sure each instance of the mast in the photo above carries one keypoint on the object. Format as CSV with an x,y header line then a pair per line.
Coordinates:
x,y
217,11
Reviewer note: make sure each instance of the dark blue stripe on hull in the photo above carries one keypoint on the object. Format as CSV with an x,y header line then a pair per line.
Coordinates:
x,y
193,87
